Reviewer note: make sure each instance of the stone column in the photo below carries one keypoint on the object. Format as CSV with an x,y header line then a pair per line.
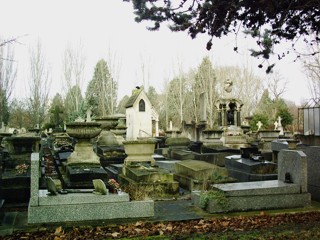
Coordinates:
x,y
238,118
34,181
225,119
219,117
157,128
203,107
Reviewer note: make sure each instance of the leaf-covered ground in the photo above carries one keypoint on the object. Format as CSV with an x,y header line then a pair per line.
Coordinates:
x,y
281,226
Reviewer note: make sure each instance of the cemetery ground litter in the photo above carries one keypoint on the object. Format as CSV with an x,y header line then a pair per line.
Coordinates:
x,y
260,225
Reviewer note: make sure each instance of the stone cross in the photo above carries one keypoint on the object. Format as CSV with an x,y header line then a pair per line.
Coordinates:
x,y
259,125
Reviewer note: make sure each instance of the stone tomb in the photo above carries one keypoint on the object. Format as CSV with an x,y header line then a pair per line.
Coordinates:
x,y
196,175
44,208
151,181
141,174
289,191
250,166
15,176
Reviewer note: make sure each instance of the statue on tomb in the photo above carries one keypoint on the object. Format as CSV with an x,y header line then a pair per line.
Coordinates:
x,y
230,117
228,85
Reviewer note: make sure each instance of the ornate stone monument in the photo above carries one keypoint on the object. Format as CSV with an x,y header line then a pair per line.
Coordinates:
x,y
83,165
15,179
229,119
141,175
83,152
110,142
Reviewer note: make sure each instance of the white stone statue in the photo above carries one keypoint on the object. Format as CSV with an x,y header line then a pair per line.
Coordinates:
x,y
280,126
275,125
279,121
89,112
228,86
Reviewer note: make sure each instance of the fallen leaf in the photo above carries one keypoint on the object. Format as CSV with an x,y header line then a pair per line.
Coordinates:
x,y
58,231
262,213
201,222
169,228
138,224
115,234
225,223
138,230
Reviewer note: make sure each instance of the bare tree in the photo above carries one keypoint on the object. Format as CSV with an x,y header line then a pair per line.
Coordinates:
x,y
8,75
276,85
8,42
178,93
247,87
311,64
114,65
73,64
39,84
142,74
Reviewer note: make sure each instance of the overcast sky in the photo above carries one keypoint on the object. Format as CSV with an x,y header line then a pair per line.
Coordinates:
x,y
102,25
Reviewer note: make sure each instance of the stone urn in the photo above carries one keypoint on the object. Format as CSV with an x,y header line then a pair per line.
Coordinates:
x,y
108,122
26,143
120,130
292,144
83,153
139,151
3,135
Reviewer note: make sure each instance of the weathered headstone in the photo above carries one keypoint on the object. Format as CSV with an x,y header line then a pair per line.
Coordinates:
x,y
51,186
294,163
313,156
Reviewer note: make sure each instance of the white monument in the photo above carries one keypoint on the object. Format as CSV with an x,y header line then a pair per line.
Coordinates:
x,y
279,127
141,119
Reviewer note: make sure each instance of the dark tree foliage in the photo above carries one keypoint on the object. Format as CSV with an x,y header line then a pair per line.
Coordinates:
x,y
269,21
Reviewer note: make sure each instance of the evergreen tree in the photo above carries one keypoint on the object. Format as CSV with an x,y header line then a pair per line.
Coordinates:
x,y
262,118
57,112
204,82
101,94
19,114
